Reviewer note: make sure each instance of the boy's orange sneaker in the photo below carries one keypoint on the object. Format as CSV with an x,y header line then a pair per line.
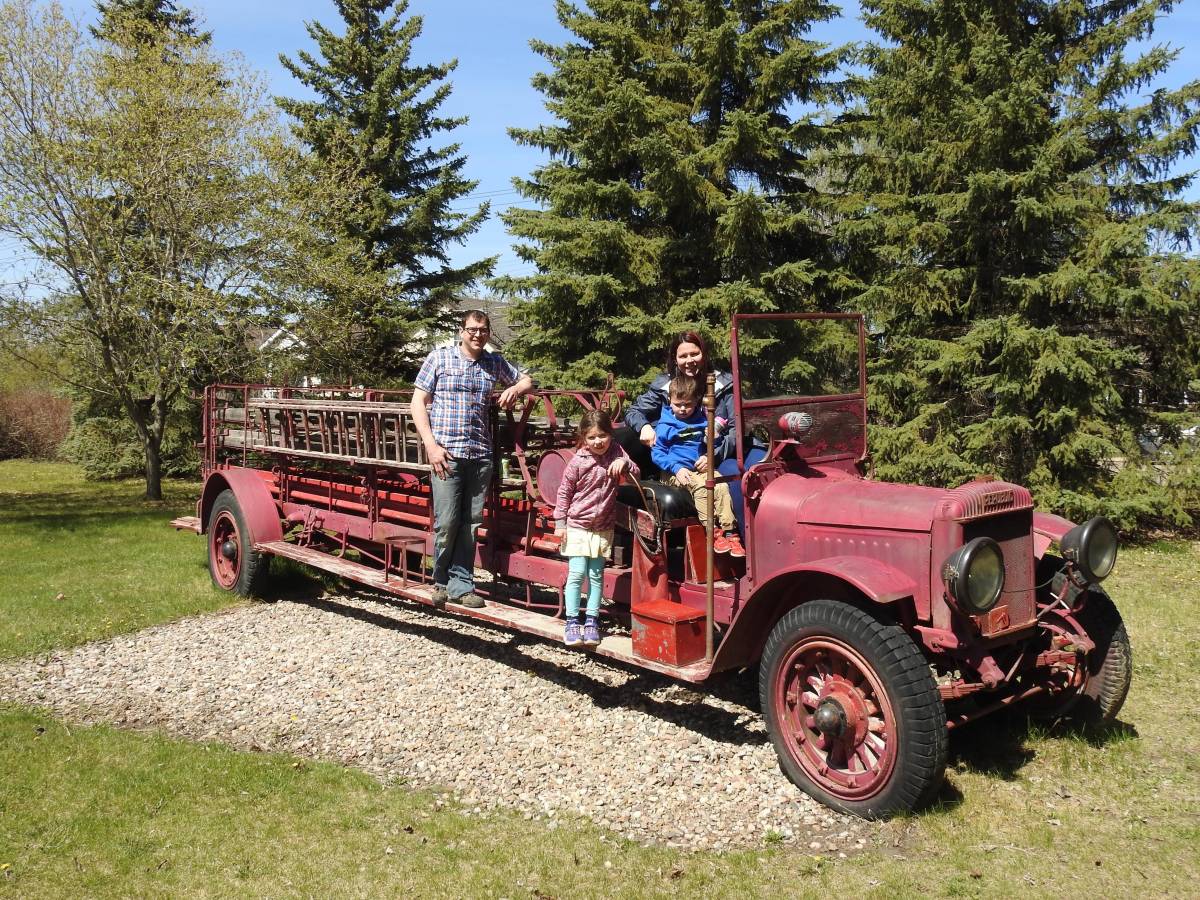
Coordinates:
x,y
720,542
736,550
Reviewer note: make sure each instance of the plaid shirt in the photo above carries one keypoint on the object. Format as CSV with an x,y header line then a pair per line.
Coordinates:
x,y
461,387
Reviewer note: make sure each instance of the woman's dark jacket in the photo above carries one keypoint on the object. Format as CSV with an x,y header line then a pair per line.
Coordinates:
x,y
648,407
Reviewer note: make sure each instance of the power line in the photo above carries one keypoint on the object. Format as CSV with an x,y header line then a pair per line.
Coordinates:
x,y
492,193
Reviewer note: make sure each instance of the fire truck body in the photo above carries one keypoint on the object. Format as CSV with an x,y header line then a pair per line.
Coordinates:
x,y
879,615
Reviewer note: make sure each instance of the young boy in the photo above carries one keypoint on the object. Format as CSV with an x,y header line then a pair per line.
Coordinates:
x,y
678,443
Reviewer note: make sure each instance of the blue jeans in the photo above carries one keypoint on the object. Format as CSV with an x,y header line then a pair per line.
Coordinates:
x,y
730,467
591,567
457,512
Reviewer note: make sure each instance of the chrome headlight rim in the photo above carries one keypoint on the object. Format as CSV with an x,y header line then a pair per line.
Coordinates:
x,y
1092,548
957,571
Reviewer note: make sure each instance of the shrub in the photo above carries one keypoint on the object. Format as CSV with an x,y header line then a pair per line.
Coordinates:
x,y
107,448
33,423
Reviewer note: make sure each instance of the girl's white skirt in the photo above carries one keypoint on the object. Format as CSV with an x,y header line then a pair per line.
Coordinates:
x,y
581,542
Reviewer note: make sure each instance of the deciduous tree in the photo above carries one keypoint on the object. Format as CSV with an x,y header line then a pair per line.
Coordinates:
x,y
131,172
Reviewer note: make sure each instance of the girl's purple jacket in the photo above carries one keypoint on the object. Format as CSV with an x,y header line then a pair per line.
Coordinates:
x,y
587,496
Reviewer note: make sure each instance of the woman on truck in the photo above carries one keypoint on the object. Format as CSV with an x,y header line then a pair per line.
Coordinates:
x,y
688,355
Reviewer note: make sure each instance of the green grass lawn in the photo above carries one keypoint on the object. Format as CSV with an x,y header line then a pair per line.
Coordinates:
x,y
103,812
82,561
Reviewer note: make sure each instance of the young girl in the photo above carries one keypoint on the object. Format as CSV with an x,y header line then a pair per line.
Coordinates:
x,y
584,516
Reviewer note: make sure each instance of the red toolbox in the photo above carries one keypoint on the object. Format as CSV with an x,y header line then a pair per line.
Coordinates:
x,y
668,632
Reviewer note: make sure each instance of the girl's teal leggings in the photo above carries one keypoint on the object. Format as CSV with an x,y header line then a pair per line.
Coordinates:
x,y
593,568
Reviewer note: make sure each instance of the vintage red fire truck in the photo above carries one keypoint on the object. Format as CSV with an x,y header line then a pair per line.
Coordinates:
x,y
879,616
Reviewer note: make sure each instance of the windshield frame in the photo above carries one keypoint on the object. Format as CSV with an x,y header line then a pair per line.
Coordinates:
x,y
741,406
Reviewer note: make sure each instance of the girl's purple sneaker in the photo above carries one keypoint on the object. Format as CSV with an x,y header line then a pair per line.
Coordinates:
x,y
591,632
571,633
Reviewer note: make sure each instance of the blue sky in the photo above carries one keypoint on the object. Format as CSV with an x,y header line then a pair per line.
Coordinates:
x,y
490,40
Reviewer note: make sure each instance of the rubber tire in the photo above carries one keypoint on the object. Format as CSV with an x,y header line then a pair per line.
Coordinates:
x,y
253,566
920,763
1110,665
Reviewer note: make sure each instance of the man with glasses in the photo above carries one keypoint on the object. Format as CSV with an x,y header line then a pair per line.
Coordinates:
x,y
450,410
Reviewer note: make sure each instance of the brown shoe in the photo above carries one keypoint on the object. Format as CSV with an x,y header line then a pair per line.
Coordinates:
x,y
439,596
470,601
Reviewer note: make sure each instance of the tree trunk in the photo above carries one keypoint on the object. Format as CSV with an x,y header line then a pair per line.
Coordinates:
x,y
154,469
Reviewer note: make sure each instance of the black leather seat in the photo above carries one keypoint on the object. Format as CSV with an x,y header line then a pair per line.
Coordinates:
x,y
673,503
637,451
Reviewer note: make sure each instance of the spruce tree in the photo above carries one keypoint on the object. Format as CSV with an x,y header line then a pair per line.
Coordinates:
x,y
160,14
376,116
677,190
1021,237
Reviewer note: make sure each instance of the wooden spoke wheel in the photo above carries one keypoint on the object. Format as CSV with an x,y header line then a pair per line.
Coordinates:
x,y
233,562
853,710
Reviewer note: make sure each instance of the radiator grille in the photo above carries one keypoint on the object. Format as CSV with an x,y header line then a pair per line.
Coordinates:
x,y
1013,531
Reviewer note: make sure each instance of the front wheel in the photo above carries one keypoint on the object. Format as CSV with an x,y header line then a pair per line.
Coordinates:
x,y
853,710
1092,690
233,562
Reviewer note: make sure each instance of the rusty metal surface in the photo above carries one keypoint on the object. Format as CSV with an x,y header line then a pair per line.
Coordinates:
x,y
835,498
550,472
341,469
1017,607
613,646
250,487
668,633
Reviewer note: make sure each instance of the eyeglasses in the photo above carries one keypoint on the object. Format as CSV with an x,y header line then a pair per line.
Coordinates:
x,y
476,332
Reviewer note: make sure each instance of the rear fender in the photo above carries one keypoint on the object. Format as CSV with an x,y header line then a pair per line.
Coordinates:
x,y
254,497
849,578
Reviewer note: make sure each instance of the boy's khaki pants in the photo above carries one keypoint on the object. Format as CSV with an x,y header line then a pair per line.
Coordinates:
x,y
722,501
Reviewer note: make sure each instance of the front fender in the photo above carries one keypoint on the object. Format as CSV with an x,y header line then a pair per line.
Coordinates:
x,y
1047,529
834,577
254,497
876,580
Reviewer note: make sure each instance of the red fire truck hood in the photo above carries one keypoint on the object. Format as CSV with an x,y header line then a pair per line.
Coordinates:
x,y
853,502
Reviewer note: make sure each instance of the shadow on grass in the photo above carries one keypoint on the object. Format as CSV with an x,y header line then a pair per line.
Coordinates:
x,y
102,506
290,580
998,745
102,517
1094,735
726,726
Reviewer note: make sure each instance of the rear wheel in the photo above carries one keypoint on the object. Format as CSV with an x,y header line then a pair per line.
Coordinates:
x,y
853,710
233,562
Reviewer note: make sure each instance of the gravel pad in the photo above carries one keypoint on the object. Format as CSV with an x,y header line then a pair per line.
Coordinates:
x,y
496,719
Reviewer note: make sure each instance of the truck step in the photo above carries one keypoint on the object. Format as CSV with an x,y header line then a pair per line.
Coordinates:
x,y
186,523
613,646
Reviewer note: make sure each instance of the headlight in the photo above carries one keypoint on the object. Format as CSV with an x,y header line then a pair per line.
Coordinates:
x,y
1092,546
974,575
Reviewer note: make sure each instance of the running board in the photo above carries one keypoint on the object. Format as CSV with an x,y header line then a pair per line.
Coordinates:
x,y
613,646
186,523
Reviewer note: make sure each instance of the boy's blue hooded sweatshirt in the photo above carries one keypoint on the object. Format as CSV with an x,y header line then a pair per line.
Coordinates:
x,y
678,442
